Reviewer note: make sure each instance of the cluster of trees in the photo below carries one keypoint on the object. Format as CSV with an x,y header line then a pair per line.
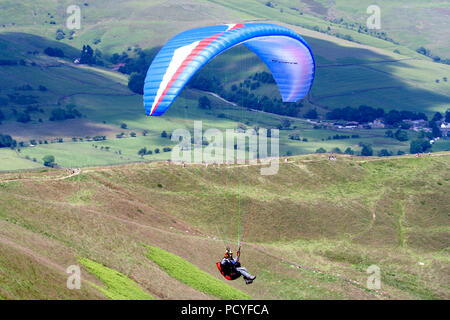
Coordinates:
x,y
395,117
364,114
264,77
419,146
241,94
49,161
17,98
6,141
59,114
204,103
343,136
60,34
136,83
361,114
87,55
427,52
5,62
144,151
366,150
136,66
311,114
297,137
54,52
400,135
353,26
23,117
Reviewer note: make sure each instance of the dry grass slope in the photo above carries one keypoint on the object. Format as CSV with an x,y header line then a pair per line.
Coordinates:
x,y
336,218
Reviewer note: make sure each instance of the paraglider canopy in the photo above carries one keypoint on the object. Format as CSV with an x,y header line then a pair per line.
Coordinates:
x,y
286,54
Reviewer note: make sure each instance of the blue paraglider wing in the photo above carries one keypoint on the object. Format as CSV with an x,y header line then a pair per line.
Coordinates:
x,y
286,54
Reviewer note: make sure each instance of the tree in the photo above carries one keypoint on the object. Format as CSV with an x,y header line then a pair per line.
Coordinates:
x,y
401,135
133,134
349,151
123,125
311,114
366,150
389,134
54,52
336,150
87,55
393,117
437,117
405,125
384,153
204,103
23,117
58,114
285,123
60,34
164,134
419,146
447,115
321,150
157,150
49,161
136,83
7,142
142,152
436,131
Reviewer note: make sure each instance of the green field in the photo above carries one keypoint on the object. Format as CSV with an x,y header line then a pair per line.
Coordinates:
x,y
347,74
118,286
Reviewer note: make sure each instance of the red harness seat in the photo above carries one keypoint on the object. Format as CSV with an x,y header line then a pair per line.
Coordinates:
x,y
231,276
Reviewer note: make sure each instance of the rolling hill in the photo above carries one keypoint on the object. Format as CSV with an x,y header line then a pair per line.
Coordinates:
x,y
333,219
105,103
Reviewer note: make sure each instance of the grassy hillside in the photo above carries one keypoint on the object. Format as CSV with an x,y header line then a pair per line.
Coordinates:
x,y
105,103
189,274
119,287
315,228
348,73
412,23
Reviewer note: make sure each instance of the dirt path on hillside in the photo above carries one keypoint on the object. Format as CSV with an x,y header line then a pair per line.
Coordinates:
x,y
74,172
32,254
372,222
